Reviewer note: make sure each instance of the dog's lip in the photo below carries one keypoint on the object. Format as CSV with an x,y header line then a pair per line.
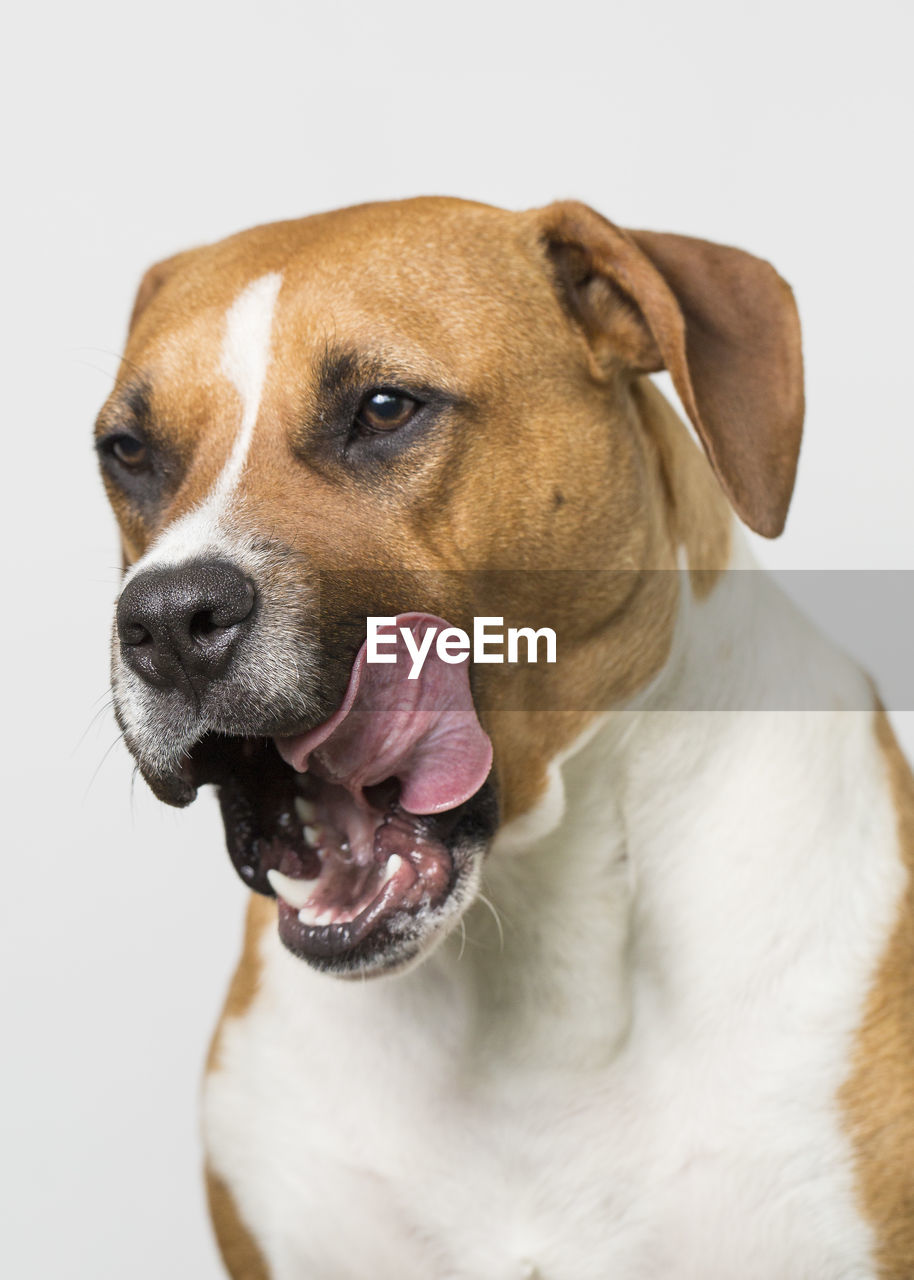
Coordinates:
x,y
178,788
387,920
330,941
404,883
398,923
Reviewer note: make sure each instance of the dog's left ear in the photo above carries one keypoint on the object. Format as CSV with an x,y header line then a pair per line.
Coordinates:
x,y
722,322
153,280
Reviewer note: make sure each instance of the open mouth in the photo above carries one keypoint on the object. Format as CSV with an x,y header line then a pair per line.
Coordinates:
x,y
368,828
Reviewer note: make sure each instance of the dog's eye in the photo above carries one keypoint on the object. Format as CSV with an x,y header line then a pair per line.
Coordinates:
x,y
385,410
126,450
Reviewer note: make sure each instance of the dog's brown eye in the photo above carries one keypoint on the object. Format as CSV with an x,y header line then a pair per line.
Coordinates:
x,y
128,451
385,411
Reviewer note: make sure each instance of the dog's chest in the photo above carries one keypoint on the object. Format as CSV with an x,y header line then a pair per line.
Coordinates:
x,y
651,1093
359,1148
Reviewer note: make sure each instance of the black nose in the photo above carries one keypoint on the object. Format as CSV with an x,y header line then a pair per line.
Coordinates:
x,y
179,627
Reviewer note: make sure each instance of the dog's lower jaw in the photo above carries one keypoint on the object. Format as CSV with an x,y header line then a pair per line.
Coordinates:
x,y
399,939
604,1073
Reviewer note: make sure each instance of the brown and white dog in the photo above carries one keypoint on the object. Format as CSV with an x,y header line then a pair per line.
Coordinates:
x,y
645,916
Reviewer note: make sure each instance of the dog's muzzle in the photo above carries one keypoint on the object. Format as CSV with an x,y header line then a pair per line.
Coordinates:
x,y
370,819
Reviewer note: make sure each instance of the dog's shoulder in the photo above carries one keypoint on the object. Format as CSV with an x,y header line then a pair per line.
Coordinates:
x,y
879,1096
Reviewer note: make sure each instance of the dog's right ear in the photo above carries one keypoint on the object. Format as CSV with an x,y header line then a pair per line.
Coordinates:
x,y
721,321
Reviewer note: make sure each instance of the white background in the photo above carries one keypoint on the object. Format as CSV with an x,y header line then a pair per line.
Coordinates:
x,y
136,130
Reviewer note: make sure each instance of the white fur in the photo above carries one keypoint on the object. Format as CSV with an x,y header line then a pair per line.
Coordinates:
x,y
632,1074
245,361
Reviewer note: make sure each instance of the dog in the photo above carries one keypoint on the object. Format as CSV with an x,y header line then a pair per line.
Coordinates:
x,y
597,968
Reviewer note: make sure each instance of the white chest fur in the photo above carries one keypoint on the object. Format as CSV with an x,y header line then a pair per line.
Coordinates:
x,y
636,1075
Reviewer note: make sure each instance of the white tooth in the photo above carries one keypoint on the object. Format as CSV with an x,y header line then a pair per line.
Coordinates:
x,y
326,917
394,863
311,834
305,809
295,892
312,917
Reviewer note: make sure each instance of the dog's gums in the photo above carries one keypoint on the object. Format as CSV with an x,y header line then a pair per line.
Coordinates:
x,y
360,825
363,865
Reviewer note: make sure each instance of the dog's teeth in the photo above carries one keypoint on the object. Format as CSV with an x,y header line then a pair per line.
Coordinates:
x,y
314,918
311,834
394,863
306,810
295,892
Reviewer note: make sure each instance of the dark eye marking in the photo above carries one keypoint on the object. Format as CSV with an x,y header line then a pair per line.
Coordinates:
x,y
143,470
386,409
138,462
121,433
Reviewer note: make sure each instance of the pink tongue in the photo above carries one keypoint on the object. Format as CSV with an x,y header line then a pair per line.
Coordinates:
x,y
423,731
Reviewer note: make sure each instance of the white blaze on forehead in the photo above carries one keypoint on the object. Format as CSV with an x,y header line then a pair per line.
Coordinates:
x,y
245,358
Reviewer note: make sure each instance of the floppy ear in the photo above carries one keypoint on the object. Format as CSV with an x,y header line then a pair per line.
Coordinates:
x,y
722,322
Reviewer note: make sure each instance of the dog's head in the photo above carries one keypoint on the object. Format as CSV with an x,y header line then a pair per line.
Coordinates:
x,y
431,410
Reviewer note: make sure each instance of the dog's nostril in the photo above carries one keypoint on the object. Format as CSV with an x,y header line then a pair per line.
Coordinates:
x,y
134,633
209,622
203,625
233,606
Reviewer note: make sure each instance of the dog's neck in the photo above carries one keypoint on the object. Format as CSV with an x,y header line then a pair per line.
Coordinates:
x,y
645,893
646,865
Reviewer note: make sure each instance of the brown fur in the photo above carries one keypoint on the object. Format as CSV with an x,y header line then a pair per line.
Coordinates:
x,y
240,1252
879,1097
560,459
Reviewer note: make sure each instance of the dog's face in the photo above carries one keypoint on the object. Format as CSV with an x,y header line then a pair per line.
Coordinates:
x,y
429,409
